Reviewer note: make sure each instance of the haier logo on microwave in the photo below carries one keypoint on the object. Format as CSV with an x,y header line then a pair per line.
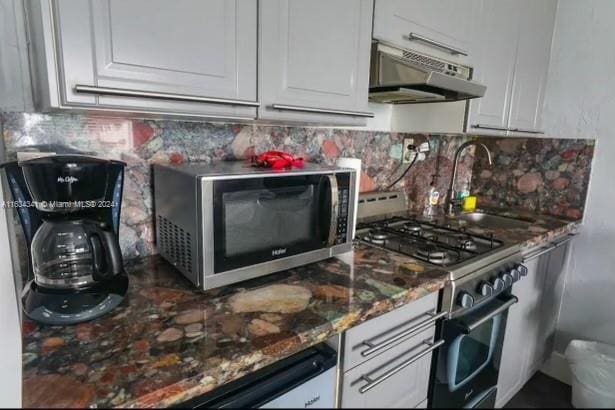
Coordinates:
x,y
311,401
278,252
67,180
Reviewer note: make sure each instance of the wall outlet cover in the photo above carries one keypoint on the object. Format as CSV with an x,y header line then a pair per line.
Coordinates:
x,y
408,150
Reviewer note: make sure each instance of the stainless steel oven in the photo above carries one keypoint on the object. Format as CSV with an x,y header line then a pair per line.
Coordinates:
x,y
226,222
467,365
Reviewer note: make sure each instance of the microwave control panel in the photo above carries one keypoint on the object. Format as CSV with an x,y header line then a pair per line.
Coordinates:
x,y
342,219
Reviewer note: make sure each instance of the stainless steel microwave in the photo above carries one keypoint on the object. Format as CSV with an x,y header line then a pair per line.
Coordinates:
x,y
226,222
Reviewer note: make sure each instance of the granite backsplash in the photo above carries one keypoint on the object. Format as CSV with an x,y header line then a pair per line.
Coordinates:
x,y
513,181
544,175
141,143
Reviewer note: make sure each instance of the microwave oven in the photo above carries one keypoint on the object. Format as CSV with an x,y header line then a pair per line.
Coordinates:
x,y
225,222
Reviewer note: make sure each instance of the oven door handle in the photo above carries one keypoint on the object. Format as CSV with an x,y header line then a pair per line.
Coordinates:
x,y
467,328
334,209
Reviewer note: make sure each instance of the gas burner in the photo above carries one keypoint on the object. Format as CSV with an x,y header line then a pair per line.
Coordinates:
x,y
466,243
442,245
378,236
412,227
435,255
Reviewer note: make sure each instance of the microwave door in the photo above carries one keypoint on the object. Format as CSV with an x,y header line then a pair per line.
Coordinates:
x,y
261,219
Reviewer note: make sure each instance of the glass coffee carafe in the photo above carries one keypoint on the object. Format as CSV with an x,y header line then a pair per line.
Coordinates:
x,y
74,254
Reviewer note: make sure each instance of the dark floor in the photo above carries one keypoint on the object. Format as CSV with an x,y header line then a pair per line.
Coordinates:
x,y
542,392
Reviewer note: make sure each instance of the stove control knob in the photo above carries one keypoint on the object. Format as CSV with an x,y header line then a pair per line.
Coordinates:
x,y
498,285
522,269
465,300
507,279
485,289
516,275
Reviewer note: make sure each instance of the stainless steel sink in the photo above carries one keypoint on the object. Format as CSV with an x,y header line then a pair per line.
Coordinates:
x,y
489,221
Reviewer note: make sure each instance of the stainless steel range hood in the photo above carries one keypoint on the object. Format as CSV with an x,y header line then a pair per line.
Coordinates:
x,y
399,76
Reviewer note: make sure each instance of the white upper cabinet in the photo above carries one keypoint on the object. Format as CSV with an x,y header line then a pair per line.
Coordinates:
x,y
184,57
494,63
533,52
513,45
438,27
314,60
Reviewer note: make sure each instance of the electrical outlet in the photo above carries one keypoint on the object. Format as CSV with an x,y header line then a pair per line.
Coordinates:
x,y
408,150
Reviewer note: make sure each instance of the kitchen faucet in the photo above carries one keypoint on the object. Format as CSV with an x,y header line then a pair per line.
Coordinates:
x,y
450,195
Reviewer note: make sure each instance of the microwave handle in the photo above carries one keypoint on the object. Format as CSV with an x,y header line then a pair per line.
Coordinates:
x,y
334,209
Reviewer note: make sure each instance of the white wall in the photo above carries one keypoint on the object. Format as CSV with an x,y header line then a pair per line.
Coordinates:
x,y
10,333
580,103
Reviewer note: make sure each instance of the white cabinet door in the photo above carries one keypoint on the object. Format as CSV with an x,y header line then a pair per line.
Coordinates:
x,y
533,52
530,329
553,290
314,55
494,62
181,48
420,24
522,332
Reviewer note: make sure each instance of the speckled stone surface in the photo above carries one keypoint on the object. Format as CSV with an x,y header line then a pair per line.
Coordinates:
x,y
543,229
169,342
542,175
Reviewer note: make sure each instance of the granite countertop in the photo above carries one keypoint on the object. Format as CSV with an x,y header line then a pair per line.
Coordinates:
x,y
169,342
543,228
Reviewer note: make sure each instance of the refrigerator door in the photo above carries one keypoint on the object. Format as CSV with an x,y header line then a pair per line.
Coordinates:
x,y
317,393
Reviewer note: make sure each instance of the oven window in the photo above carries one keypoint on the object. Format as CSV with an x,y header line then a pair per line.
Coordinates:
x,y
275,218
471,353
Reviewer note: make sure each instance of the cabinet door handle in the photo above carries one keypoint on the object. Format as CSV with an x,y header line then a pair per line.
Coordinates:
x,y
321,110
371,383
436,44
567,239
124,92
489,127
373,348
538,253
527,130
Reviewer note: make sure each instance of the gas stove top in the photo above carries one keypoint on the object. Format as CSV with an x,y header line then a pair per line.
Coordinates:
x,y
441,245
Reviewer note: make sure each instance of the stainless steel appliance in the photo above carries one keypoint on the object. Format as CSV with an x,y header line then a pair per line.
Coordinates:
x,y
402,76
69,208
227,222
304,380
482,270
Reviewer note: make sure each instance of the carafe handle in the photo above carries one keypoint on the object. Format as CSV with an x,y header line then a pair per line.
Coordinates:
x,y
106,252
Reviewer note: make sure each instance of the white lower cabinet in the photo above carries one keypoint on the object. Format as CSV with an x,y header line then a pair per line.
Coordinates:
x,y
531,323
387,360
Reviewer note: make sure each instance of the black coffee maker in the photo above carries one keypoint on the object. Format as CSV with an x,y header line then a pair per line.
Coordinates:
x,y
69,208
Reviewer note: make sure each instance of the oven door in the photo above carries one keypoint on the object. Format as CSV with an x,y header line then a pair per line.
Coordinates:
x,y
468,364
262,219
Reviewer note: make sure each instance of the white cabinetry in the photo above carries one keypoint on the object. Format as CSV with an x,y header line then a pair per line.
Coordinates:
x,y
314,60
531,323
387,360
440,27
191,58
511,57
533,52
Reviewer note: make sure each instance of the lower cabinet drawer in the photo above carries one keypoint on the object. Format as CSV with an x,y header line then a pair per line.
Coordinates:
x,y
379,334
397,378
